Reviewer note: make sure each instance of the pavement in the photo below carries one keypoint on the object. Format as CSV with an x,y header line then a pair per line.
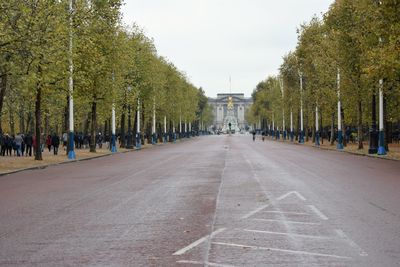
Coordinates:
x,y
212,201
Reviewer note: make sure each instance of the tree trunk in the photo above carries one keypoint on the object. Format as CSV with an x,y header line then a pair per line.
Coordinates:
x,y
22,119
105,127
298,126
386,124
38,152
66,124
359,125
11,120
3,88
313,129
93,128
47,129
343,128
122,135
306,132
66,116
333,129
87,123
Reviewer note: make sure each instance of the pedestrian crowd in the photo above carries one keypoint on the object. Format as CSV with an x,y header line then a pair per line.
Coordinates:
x,y
25,144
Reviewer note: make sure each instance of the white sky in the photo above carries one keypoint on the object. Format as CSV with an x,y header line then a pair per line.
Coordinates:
x,y
211,40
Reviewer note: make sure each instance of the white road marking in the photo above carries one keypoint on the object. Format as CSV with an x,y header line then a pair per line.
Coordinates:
x,y
318,212
287,234
284,221
290,193
361,252
248,215
205,263
197,242
282,250
285,212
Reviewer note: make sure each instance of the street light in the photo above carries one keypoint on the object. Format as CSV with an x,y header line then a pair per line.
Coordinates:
x,y
154,135
71,152
283,113
165,129
301,139
381,148
138,137
113,146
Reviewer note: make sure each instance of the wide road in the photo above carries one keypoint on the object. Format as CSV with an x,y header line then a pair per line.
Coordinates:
x,y
208,201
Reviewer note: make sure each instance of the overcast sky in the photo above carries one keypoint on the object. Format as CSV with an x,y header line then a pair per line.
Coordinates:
x,y
211,40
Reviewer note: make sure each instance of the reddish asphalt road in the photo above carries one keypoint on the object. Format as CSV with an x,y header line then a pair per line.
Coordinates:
x,y
209,201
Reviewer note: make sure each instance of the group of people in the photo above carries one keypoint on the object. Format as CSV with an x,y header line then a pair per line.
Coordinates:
x,y
84,140
17,145
25,144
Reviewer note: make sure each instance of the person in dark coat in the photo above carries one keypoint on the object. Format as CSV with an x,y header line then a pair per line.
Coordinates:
x,y
55,141
9,145
2,144
28,144
48,142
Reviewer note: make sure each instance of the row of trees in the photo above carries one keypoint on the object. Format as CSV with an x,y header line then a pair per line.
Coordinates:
x,y
112,65
358,39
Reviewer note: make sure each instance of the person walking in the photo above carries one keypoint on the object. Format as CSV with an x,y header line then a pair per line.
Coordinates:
x,y
9,145
23,145
65,140
28,144
18,144
48,142
42,142
55,141
2,145
99,139
254,136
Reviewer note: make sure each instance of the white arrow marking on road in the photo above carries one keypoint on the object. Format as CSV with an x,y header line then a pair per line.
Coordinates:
x,y
255,211
292,192
351,242
281,250
318,212
287,234
284,212
198,242
284,221
205,263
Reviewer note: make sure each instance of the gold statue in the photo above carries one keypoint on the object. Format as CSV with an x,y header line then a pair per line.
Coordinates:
x,y
230,103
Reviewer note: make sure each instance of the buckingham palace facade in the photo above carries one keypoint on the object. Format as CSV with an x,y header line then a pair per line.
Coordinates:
x,y
220,109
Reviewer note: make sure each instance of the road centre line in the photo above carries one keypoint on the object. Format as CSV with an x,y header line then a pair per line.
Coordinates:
x,y
204,263
285,212
299,252
353,244
318,212
284,221
290,193
248,215
198,242
287,234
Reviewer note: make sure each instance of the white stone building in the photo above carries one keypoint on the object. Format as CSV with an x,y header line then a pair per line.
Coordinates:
x,y
220,107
